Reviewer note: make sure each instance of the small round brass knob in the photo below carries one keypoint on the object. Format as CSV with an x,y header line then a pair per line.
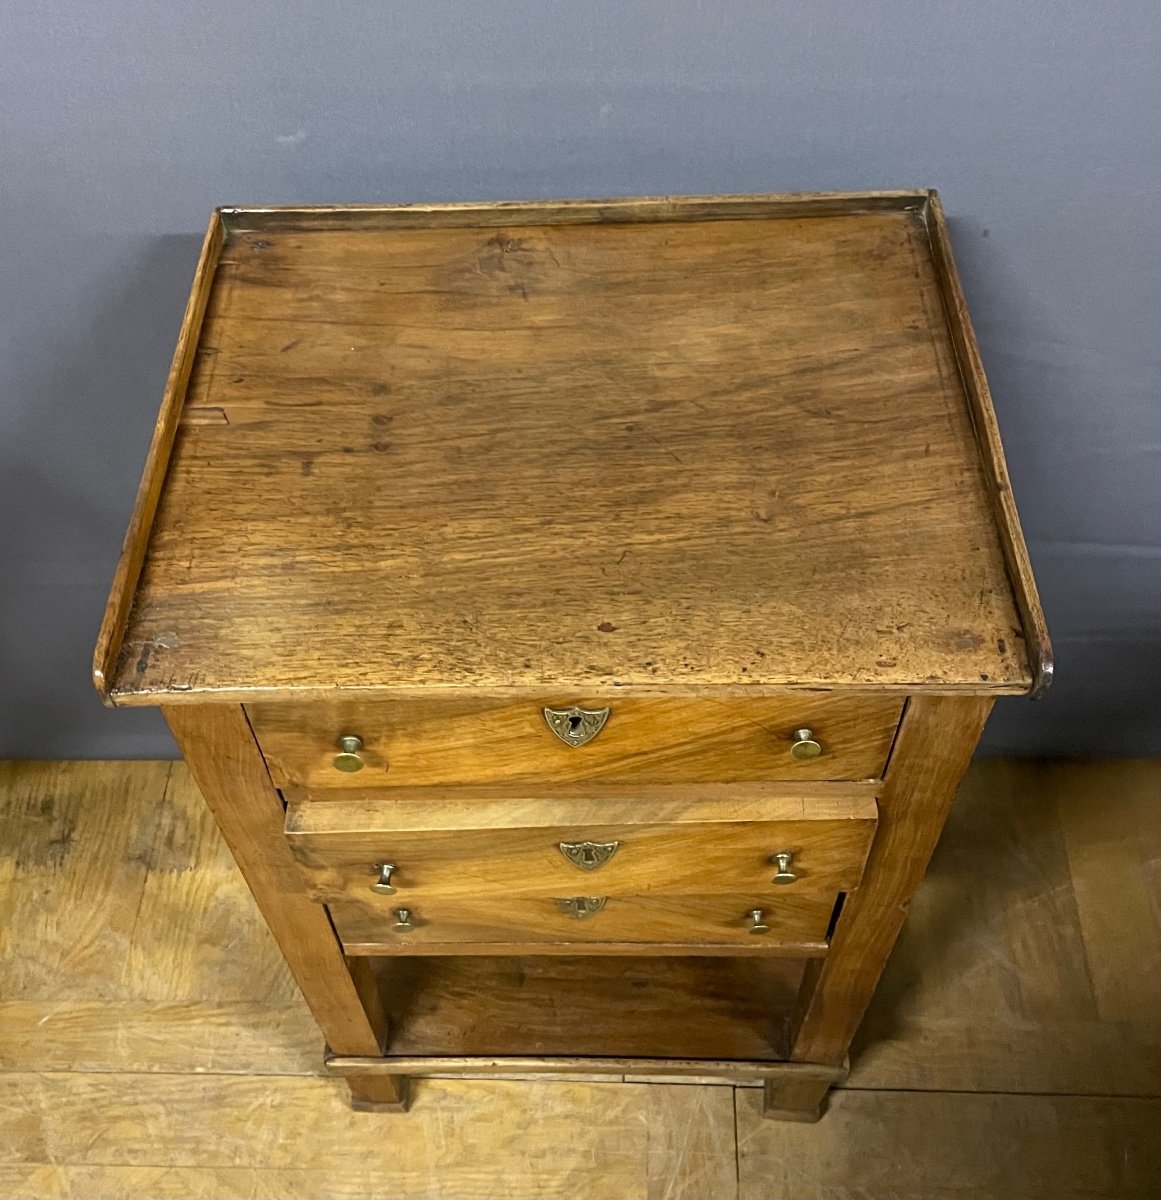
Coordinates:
x,y
403,921
383,884
782,862
804,745
348,758
757,925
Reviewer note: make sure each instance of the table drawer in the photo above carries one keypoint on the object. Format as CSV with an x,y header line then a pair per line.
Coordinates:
x,y
414,743
652,840
751,922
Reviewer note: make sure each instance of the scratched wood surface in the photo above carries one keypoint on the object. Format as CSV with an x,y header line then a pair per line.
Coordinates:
x,y
128,938
1013,1049
637,454
226,1137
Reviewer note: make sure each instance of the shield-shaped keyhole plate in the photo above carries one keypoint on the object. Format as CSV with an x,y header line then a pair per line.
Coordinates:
x,y
588,855
580,907
576,726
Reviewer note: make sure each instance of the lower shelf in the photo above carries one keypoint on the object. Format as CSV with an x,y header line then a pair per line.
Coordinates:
x,y
578,1006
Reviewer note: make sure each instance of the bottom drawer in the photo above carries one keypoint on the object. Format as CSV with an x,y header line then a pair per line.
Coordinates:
x,y
741,923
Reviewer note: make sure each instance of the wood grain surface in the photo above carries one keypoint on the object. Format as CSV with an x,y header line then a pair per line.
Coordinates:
x,y
173,410
672,1007
934,747
700,454
496,920
983,413
703,1070
476,741
514,848
1027,960
800,1096
1012,1052
501,213
953,1146
224,760
221,1138
128,938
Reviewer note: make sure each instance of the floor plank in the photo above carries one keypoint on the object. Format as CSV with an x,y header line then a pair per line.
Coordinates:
x,y
1030,960
151,1035
1111,817
78,838
152,1044
128,940
953,1146
215,946
462,1138
690,1154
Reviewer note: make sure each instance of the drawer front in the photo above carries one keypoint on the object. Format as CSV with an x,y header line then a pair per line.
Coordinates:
x,y
488,923
417,743
710,842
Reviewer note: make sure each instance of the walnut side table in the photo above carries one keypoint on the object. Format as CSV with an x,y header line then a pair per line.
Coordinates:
x,y
578,617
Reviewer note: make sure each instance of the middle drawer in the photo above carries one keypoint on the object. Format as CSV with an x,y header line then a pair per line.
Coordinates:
x,y
367,854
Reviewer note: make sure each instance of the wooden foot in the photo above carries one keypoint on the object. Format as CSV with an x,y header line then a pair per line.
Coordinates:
x,y
380,1093
799,1097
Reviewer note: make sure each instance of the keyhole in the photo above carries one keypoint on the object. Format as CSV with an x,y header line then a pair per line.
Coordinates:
x,y
574,724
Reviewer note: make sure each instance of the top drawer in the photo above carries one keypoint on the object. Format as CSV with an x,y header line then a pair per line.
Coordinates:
x,y
415,743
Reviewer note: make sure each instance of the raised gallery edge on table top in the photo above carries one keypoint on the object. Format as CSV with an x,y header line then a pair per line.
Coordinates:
x,y
716,445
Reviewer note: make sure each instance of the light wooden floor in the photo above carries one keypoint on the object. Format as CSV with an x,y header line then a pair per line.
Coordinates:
x,y
151,1044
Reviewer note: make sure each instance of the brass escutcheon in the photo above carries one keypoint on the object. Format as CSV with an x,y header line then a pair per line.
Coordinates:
x,y
580,907
588,855
576,726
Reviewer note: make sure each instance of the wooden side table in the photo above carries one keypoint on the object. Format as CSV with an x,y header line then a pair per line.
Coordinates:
x,y
578,617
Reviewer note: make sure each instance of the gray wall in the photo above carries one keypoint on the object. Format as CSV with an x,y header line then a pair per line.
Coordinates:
x,y
123,122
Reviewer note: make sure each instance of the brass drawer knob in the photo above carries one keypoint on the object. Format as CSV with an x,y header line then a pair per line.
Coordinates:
x,y
576,726
782,862
804,745
403,921
383,884
757,924
348,758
